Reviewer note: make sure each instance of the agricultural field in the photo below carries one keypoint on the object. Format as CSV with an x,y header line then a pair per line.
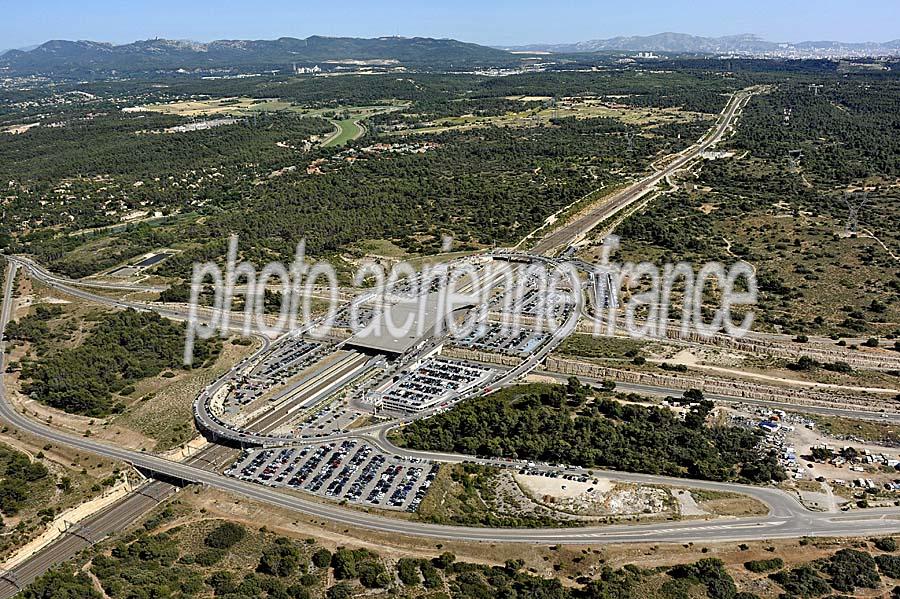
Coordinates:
x,y
551,109
346,121
218,106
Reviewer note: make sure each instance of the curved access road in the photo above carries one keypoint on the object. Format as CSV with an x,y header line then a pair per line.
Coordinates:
x,y
786,519
70,288
46,275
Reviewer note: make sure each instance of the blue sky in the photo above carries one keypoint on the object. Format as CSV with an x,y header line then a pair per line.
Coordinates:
x,y
500,22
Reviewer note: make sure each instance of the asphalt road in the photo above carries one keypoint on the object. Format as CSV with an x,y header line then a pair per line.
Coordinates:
x,y
317,388
236,322
46,275
98,526
788,518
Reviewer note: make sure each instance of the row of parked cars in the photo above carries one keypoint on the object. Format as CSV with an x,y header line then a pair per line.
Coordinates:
x,y
434,379
278,367
497,338
348,470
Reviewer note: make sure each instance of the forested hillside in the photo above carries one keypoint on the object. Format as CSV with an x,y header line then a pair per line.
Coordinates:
x,y
123,348
492,169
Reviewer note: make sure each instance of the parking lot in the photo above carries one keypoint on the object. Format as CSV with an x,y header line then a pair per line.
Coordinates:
x,y
282,364
536,303
433,382
286,360
348,470
494,337
364,316
581,478
335,418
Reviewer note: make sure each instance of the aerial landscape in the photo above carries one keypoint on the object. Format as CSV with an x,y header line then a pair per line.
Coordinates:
x,y
482,300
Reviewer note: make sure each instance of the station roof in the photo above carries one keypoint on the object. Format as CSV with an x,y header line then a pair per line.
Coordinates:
x,y
398,327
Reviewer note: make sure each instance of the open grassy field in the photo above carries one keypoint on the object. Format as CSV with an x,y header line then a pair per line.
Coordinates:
x,y
221,106
347,122
579,108
378,247
866,430
476,495
608,348
161,406
722,503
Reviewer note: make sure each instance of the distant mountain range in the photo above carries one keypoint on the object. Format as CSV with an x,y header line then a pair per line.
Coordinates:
x,y
87,57
24,49
63,55
745,44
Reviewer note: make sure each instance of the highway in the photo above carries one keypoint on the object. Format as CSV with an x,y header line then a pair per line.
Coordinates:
x,y
70,288
213,427
570,232
787,519
46,275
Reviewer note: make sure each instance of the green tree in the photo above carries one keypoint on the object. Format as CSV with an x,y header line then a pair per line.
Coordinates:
x,y
408,571
343,561
341,590
321,558
225,535
280,559
372,575
444,560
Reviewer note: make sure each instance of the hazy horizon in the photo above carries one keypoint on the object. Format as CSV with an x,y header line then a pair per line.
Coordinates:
x,y
501,23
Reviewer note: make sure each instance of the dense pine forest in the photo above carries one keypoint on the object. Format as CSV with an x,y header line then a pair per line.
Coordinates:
x,y
567,424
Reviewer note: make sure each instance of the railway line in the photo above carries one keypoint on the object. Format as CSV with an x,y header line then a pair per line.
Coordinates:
x,y
787,518
571,232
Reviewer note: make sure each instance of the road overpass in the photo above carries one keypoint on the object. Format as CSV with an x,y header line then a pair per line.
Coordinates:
x,y
787,519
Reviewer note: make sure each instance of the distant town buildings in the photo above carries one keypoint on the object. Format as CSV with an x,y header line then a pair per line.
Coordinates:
x,y
306,70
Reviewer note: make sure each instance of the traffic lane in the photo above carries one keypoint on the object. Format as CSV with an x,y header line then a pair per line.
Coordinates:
x,y
615,533
679,532
46,274
781,503
235,323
